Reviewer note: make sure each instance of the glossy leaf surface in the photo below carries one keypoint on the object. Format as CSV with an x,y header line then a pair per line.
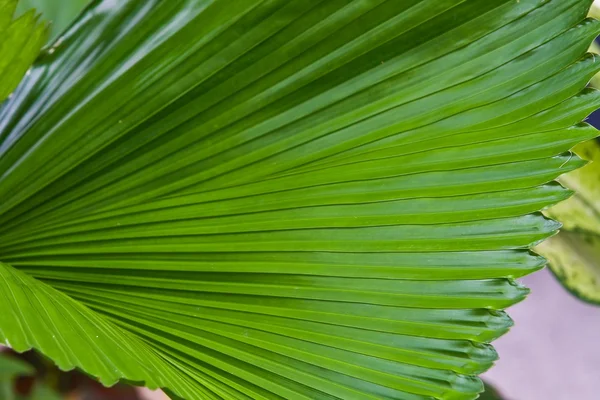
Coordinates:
x,y
288,199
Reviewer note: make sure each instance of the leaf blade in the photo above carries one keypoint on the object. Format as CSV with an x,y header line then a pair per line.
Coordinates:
x,y
299,199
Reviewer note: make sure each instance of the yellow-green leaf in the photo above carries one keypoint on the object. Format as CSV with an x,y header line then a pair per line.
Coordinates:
x,y
574,253
20,42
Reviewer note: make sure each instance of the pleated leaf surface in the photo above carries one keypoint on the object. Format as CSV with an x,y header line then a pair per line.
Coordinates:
x,y
237,199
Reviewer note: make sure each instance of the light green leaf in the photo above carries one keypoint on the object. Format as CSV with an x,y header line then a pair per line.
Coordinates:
x,y
288,199
574,254
38,316
20,42
60,13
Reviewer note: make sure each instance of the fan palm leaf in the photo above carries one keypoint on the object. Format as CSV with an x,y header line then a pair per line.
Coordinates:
x,y
288,199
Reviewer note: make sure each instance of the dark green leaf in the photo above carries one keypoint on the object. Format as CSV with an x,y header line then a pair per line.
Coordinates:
x,y
288,199
490,393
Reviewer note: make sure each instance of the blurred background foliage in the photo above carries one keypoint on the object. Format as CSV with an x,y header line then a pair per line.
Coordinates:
x,y
30,376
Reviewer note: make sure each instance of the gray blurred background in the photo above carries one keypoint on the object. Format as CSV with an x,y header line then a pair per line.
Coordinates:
x,y
553,351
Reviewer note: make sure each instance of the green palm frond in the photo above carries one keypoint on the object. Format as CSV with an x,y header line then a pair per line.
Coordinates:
x,y
288,199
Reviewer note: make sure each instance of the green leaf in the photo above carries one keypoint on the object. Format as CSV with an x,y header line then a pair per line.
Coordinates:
x,y
574,253
43,392
20,42
490,393
288,199
11,367
60,13
73,336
